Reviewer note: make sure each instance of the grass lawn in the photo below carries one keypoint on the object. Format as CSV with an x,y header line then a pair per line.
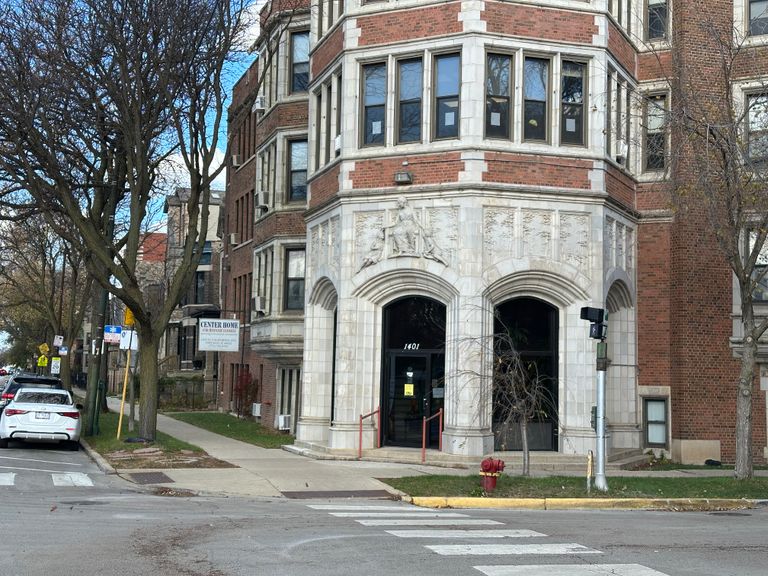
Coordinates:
x,y
232,427
106,440
574,487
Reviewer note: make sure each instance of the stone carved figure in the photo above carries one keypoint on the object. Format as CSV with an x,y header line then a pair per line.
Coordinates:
x,y
375,251
405,230
407,237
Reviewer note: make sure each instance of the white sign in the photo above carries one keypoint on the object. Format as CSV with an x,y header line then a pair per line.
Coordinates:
x,y
55,365
58,340
63,350
218,335
129,339
112,334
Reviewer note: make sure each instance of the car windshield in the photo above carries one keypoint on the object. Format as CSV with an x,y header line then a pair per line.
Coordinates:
x,y
42,398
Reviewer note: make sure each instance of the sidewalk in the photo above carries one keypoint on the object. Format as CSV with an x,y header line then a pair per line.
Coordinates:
x,y
276,473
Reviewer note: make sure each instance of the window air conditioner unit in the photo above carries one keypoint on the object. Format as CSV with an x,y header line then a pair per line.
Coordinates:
x,y
237,160
259,104
234,238
337,143
258,304
284,422
256,410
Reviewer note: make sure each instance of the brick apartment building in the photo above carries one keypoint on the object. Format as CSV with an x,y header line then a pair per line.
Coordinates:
x,y
416,175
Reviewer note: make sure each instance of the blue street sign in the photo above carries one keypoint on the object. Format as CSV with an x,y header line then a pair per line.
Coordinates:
x,y
112,334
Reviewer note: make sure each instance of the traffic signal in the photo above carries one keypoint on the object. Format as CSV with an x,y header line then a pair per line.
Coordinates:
x,y
597,316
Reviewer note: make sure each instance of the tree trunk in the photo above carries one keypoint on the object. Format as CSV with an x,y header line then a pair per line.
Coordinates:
x,y
526,452
148,344
743,469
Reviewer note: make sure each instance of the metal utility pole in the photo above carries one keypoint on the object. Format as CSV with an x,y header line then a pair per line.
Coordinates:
x,y
598,330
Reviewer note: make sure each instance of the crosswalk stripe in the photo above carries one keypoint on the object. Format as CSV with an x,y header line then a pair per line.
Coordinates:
x,y
510,549
71,479
570,570
398,515
430,522
6,478
352,508
464,533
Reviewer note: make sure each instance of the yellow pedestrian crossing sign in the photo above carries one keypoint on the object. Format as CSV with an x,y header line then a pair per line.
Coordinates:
x,y
43,348
42,361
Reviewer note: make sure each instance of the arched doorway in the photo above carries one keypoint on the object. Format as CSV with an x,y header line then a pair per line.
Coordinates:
x,y
530,327
413,375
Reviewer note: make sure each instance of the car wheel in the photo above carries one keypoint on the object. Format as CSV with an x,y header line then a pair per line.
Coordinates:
x,y
3,442
74,445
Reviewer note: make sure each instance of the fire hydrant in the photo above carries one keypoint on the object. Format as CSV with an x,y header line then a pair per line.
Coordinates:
x,y
490,469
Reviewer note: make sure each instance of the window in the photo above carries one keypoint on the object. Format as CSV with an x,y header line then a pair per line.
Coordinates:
x,y
498,96
266,176
374,101
205,257
294,279
299,61
262,281
536,90
656,133
757,127
201,282
409,78
289,386
572,107
446,104
760,288
656,422
758,17
297,171
656,20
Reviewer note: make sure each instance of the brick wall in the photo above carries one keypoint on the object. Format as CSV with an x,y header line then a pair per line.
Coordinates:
x,y
537,170
416,24
544,23
427,169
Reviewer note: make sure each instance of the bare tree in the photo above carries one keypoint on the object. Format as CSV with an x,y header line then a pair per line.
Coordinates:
x,y
719,178
97,98
520,393
41,274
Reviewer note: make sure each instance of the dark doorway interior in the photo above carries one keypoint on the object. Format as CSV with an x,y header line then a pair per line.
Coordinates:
x,y
532,326
413,379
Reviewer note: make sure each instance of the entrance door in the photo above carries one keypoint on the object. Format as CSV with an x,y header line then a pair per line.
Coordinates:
x,y
414,366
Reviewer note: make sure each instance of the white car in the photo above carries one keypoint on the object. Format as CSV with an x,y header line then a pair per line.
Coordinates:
x,y
41,414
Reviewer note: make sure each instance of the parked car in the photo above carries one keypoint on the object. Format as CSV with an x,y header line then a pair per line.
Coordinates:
x,y
25,379
42,414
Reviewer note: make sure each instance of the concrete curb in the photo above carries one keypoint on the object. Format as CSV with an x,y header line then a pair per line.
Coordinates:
x,y
674,504
103,465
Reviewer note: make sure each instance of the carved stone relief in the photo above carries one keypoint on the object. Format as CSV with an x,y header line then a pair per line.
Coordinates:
x,y
574,241
315,244
630,251
334,259
608,242
537,233
407,233
620,228
498,234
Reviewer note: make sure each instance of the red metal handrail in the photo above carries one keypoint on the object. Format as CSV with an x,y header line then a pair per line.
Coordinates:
x,y
378,431
439,414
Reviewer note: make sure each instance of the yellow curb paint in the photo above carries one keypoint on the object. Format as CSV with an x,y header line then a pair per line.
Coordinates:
x,y
459,502
690,504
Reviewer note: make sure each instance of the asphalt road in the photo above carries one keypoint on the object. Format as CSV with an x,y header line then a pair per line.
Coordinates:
x,y
109,526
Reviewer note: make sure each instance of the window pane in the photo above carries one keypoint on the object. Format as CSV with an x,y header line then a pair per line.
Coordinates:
x,y
410,80
498,73
410,89
375,82
299,155
656,115
497,89
657,433
656,410
536,78
535,121
497,117
655,147
298,171
657,19
572,129
410,122
295,295
573,83
447,118
300,60
758,17
295,264
447,76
